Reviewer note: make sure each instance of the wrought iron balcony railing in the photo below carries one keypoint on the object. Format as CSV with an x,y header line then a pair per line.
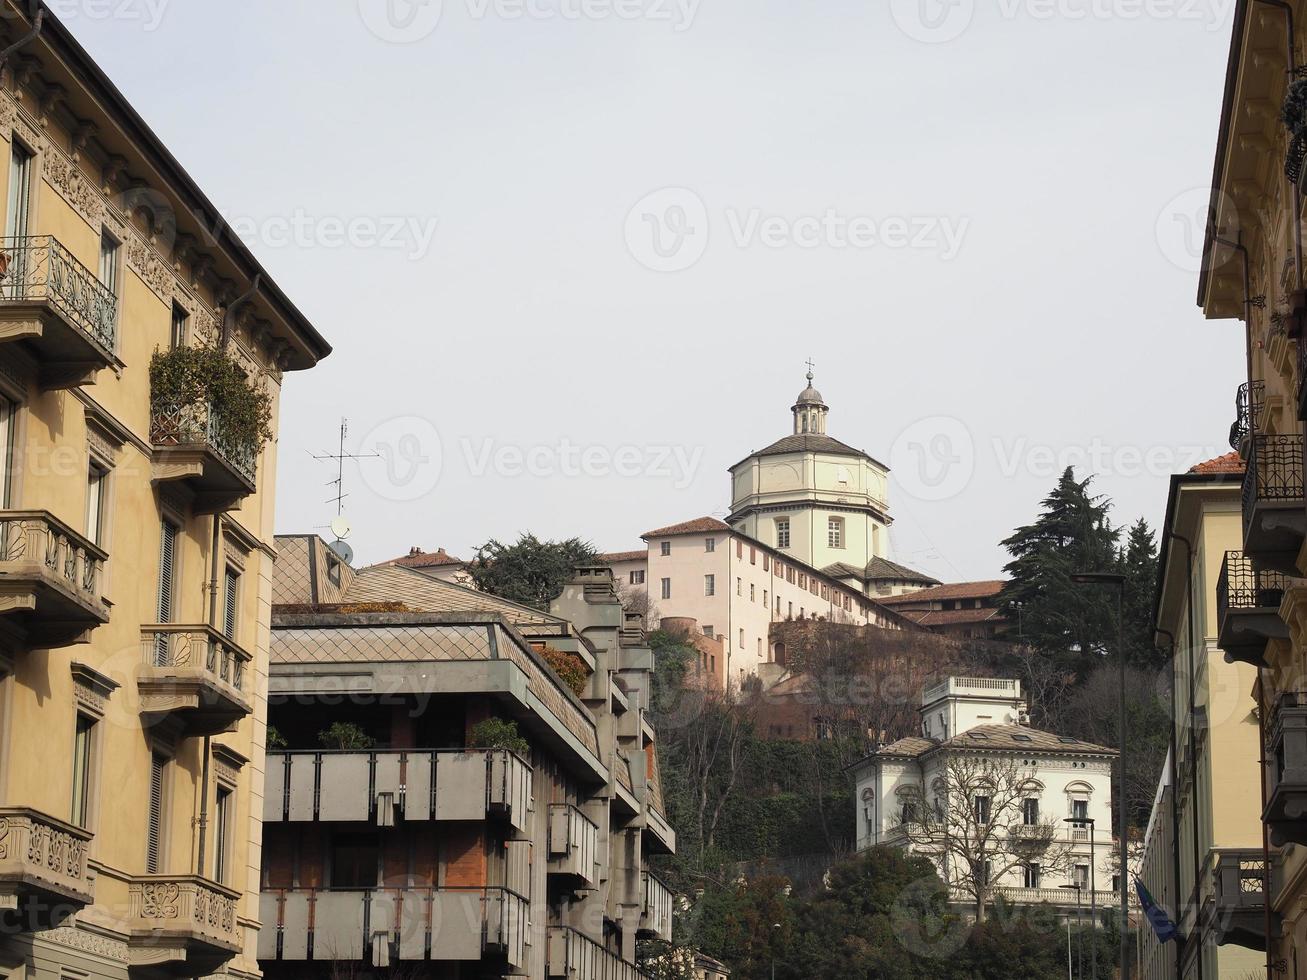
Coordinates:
x,y
199,425
39,268
1248,412
1248,607
1274,517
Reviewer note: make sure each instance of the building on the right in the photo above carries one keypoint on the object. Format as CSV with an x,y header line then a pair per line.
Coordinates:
x,y
1204,860
1251,269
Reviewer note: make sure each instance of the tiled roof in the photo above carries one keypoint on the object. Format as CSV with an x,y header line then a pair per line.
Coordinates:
x,y
613,557
950,617
809,443
1014,737
911,746
417,558
956,590
699,525
1229,463
883,568
422,593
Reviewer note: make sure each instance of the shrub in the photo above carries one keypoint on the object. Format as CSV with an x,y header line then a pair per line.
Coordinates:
x,y
496,733
569,667
276,740
1294,112
345,735
207,377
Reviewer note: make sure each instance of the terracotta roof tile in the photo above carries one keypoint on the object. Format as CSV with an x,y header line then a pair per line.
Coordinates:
x,y
1016,737
1229,463
699,525
620,556
951,617
957,590
417,558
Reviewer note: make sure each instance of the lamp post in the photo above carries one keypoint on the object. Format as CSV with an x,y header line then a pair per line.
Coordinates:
x,y
1080,935
1117,581
1093,893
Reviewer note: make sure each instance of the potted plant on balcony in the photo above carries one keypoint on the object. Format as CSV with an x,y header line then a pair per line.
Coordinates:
x,y
346,736
496,733
1294,116
202,392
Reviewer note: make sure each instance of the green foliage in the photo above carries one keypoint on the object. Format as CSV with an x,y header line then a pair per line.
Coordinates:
x,y
532,572
1294,111
569,667
207,376
345,735
276,740
496,733
1139,566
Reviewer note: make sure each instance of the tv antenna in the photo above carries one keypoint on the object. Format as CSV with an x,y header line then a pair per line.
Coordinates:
x,y
339,458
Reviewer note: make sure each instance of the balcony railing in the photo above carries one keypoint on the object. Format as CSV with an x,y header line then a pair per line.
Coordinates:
x,y
1248,608
52,575
573,845
1234,911
194,442
577,957
1061,897
184,924
1248,412
656,914
59,307
383,786
1286,752
1274,517
43,877
384,926
195,673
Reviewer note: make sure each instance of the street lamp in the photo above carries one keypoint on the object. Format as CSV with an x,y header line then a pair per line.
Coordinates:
x,y
1080,935
775,926
1093,892
1117,581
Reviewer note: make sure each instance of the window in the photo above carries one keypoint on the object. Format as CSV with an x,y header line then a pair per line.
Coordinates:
x,y
154,842
710,585
222,814
20,194
1030,811
83,747
741,639
980,807
354,861
739,587
709,544
231,587
709,632
1080,812
1032,875
783,532
167,584
835,532
766,563
95,485
753,556
1080,876
637,578
665,548
6,450
753,592
667,588
109,262
764,597
790,606
180,322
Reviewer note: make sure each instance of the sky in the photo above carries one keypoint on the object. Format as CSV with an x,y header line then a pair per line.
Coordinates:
x,y
573,255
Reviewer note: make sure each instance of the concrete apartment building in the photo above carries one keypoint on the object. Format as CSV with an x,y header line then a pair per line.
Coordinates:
x,y
135,541
1062,780
1253,271
1203,853
426,850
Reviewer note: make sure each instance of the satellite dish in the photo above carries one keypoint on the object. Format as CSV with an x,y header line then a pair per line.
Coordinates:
x,y
343,551
340,527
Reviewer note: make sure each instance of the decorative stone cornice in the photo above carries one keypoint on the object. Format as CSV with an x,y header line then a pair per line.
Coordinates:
x,y
92,688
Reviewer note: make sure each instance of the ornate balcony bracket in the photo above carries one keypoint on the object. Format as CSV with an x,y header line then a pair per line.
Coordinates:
x,y
194,674
49,579
182,925
43,873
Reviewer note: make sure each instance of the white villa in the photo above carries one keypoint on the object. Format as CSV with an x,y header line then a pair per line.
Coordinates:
x,y
1062,784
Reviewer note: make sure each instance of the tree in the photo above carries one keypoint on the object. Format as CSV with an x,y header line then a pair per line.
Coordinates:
x,y
532,572
971,821
1139,566
1071,534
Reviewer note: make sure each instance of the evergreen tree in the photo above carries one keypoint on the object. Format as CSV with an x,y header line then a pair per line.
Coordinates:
x,y
1139,565
532,572
1073,533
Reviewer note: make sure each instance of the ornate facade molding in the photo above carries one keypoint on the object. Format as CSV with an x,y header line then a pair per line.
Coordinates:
x,y
84,941
92,689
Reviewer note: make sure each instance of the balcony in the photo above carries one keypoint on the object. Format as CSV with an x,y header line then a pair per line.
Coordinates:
x,y
1063,898
1286,755
1235,910
381,787
573,846
43,876
656,911
58,308
1274,514
1248,413
191,444
1248,609
386,926
576,957
50,578
194,674
182,925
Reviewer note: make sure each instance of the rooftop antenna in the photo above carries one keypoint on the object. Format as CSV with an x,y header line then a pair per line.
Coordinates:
x,y
339,525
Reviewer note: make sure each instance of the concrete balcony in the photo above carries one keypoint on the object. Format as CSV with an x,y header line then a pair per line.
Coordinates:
x,y
192,444
656,911
43,876
1274,515
381,787
1248,608
573,847
58,309
50,579
388,926
1286,755
182,925
196,675
576,957
1235,910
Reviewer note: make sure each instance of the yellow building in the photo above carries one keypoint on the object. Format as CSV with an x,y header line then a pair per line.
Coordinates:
x,y
1253,270
136,544
1203,859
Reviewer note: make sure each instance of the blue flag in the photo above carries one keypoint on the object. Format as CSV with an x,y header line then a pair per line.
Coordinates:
x,y
1157,918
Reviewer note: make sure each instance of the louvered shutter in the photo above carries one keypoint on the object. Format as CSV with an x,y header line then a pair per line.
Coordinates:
x,y
167,571
230,587
154,835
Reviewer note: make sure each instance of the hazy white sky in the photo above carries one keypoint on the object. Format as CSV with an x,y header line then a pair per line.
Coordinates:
x,y
573,254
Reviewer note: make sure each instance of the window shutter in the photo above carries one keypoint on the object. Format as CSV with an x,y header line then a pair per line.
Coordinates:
x,y
167,570
229,598
154,835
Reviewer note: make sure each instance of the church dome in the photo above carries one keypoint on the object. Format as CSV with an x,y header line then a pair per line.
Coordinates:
x,y
810,395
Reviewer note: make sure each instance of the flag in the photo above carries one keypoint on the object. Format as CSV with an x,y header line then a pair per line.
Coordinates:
x,y
1157,917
